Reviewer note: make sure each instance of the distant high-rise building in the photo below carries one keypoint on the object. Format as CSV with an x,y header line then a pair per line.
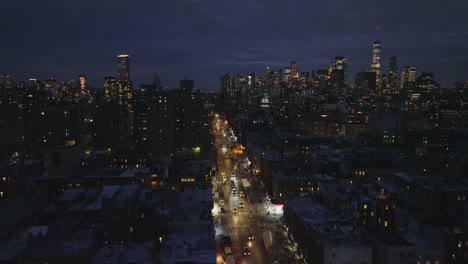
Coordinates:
x,y
294,73
393,73
50,83
124,67
111,90
280,74
83,81
287,74
9,82
427,80
304,79
186,85
157,82
227,86
376,51
366,81
34,83
408,77
321,80
337,78
340,63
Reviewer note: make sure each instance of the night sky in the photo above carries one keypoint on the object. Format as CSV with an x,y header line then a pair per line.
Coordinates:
x,y
204,39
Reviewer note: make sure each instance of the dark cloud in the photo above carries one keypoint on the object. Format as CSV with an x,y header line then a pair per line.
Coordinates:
x,y
203,39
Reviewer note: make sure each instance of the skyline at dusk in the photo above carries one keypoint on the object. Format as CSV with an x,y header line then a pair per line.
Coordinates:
x,y
202,40
233,132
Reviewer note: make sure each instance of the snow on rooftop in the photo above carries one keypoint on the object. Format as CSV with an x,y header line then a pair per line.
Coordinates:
x,y
403,175
327,223
324,176
35,231
108,191
129,173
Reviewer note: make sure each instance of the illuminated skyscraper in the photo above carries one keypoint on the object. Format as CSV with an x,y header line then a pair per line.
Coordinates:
x,y
340,63
111,91
304,79
294,72
408,77
376,50
287,74
50,83
124,67
227,86
83,81
393,73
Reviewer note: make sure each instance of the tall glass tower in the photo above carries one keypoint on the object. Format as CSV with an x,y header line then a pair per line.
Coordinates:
x,y
124,67
393,73
376,50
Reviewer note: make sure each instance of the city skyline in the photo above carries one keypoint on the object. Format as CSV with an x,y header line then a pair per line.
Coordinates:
x,y
200,42
339,133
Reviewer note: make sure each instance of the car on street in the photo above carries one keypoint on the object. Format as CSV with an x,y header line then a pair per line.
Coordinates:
x,y
251,236
234,211
241,205
246,251
228,251
242,194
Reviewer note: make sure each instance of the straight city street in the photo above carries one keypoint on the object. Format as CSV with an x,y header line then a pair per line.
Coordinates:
x,y
252,215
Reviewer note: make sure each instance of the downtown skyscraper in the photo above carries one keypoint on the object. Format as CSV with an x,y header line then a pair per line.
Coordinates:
x,y
124,67
376,51
393,73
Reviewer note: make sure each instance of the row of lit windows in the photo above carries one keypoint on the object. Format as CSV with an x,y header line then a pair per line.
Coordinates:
x,y
187,179
155,184
301,189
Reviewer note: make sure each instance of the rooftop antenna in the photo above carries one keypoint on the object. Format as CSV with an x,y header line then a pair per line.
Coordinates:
x,y
377,33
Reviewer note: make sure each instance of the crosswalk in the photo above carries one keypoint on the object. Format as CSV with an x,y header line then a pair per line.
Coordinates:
x,y
238,213
235,226
230,226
